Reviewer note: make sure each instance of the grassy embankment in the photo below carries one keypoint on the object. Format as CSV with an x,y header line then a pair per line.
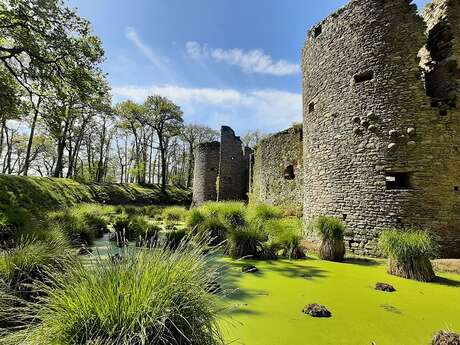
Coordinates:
x,y
38,193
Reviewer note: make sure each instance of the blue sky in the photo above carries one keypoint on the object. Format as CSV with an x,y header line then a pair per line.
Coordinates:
x,y
233,62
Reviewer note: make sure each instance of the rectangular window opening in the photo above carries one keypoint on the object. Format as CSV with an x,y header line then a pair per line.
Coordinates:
x,y
311,107
318,30
365,76
398,180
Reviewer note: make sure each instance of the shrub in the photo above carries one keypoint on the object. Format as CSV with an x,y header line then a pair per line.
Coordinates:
x,y
245,242
174,214
153,297
409,254
286,235
263,212
331,230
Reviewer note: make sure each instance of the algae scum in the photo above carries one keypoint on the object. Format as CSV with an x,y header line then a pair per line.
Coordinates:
x,y
265,308
267,305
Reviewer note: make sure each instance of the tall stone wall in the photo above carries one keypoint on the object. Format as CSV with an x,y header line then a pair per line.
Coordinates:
x,y
442,70
205,173
377,152
233,165
278,169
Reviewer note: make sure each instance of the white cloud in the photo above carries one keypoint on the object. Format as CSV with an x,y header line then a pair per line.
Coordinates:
x,y
157,61
269,110
251,61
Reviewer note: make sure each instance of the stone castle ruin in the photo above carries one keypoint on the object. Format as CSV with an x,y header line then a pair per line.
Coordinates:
x,y
379,146
221,169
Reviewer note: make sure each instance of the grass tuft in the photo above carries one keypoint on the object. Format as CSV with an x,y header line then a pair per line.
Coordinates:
x,y
409,254
156,296
331,230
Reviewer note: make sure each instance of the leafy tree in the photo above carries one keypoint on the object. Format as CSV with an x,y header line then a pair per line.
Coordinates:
x,y
193,135
165,118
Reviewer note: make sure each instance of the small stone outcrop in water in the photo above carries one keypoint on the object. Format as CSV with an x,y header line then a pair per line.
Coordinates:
x,y
385,287
446,338
316,310
249,269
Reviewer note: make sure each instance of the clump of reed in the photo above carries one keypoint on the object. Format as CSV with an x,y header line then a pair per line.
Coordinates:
x,y
409,254
331,231
156,296
285,236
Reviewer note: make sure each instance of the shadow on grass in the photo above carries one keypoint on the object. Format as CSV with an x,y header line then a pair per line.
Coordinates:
x,y
292,269
232,276
447,282
362,261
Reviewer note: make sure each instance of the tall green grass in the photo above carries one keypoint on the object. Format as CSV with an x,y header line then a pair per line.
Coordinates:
x,y
409,254
174,214
135,228
286,236
246,242
156,297
262,212
32,261
85,222
331,230
232,213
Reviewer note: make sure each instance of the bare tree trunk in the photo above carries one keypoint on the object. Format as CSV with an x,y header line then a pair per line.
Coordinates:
x,y
32,133
61,146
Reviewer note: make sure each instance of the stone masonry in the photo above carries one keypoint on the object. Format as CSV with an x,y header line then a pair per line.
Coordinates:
x,y
221,170
277,177
381,135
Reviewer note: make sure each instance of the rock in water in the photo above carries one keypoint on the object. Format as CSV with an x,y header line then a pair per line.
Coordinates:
x,y
446,338
385,287
316,310
249,269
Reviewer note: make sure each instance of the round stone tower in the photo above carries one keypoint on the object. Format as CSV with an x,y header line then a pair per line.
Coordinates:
x,y
377,153
205,172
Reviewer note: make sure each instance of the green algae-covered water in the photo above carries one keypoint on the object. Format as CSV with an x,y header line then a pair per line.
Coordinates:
x,y
266,308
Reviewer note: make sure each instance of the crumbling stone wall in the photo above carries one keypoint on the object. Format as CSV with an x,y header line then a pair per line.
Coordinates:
x,y
377,152
233,167
278,169
221,170
205,172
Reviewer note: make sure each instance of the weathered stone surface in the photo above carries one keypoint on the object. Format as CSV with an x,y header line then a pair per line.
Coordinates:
x,y
221,170
205,172
364,62
278,169
316,310
385,287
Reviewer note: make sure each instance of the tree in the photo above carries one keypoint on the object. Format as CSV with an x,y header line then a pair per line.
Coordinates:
x,y
252,138
165,118
131,115
193,135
